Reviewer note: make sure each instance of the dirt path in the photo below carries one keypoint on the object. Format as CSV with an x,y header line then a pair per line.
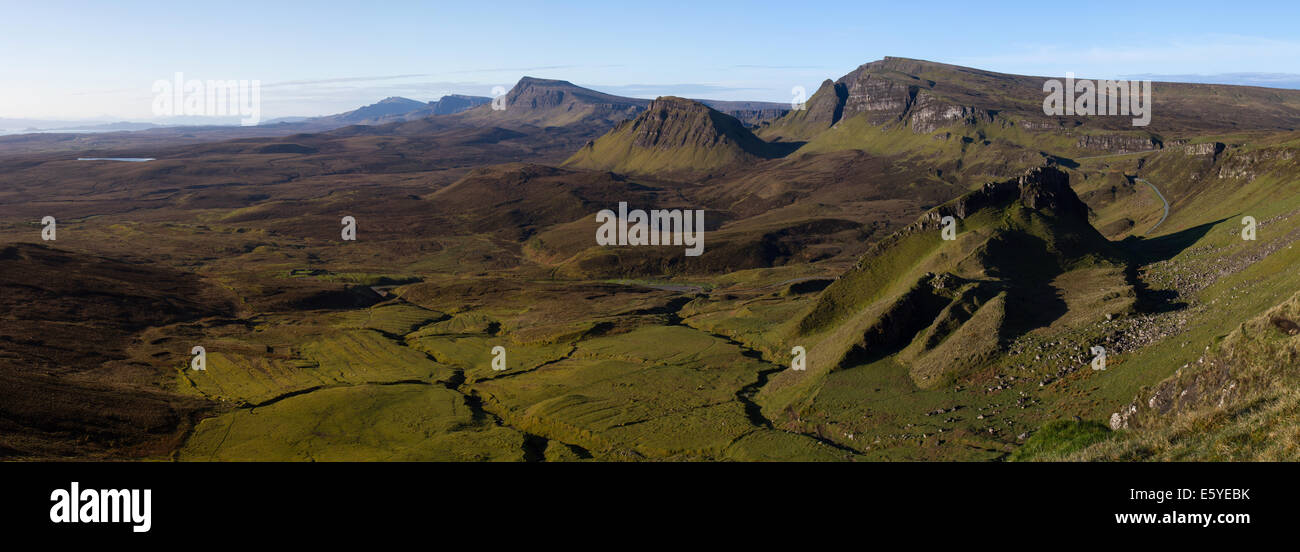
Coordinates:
x,y
1162,200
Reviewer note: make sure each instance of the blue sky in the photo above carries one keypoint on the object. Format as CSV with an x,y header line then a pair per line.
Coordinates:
x,y
71,60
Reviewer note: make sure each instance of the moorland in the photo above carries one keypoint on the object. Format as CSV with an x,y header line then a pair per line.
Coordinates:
x,y
825,229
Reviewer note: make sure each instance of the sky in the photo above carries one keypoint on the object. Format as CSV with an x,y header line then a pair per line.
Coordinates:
x,y
99,60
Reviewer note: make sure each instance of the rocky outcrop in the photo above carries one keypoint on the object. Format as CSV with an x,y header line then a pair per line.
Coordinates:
x,y
1048,189
929,113
1212,149
1041,188
1118,143
1247,165
880,99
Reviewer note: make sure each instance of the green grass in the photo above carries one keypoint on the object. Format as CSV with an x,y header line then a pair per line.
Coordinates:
x,y
1240,404
358,278
335,358
1061,437
394,318
655,391
360,423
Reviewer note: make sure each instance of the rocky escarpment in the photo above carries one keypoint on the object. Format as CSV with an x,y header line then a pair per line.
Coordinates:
x,y
929,112
1247,165
925,97
534,93
1041,188
885,92
1212,149
456,103
883,98
1119,143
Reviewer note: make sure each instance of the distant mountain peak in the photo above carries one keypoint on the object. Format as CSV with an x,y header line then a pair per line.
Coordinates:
x,y
534,81
535,93
397,100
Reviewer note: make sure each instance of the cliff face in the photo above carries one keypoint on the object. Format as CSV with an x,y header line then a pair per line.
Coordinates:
x,y
886,91
1044,189
879,97
456,103
545,102
925,97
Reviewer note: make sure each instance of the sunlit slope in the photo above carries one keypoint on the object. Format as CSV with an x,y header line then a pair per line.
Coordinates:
x,y
945,307
1240,401
672,135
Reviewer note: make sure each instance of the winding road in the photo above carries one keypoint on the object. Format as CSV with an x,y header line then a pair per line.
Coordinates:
x,y
1162,200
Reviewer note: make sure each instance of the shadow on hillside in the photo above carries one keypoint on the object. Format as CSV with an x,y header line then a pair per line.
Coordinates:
x,y
1142,252
1032,301
1058,161
1153,250
781,149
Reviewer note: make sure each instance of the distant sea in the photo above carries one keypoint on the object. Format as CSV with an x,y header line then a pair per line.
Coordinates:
x,y
12,131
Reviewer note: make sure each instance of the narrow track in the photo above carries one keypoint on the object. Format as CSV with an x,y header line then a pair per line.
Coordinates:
x,y
1162,200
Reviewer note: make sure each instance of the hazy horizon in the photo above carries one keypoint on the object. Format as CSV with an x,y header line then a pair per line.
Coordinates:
x,y
335,57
